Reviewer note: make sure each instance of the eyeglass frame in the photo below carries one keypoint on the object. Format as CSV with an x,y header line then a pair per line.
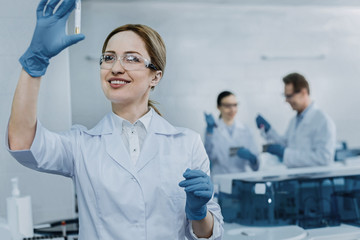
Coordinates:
x,y
289,96
229,105
147,62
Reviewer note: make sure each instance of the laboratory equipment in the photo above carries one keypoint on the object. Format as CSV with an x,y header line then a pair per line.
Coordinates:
x,y
5,232
19,213
234,231
306,197
77,16
56,228
233,151
342,154
265,147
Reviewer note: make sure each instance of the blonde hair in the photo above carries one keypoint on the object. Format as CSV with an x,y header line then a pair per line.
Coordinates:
x,y
154,45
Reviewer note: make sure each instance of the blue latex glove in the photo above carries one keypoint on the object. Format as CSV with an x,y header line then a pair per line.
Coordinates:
x,y
199,190
49,37
261,122
210,121
276,149
246,154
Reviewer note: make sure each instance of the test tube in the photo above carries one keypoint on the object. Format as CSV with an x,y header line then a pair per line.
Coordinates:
x,y
63,228
77,16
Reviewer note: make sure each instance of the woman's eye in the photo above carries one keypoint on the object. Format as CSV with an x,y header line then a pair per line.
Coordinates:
x,y
132,58
109,58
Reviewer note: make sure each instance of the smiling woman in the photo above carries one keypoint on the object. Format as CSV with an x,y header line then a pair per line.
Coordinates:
x,y
139,49
136,175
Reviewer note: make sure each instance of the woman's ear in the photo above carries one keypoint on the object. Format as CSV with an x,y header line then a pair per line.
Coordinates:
x,y
156,79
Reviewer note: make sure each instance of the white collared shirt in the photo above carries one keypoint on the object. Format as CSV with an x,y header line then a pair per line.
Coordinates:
x,y
133,135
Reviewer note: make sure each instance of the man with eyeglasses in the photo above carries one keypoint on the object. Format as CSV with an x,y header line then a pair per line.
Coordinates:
x,y
311,135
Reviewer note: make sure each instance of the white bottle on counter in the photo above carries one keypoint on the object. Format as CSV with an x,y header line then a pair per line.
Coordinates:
x,y
4,230
19,214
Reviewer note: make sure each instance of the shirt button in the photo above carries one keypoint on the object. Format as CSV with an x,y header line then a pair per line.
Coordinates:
x,y
133,179
134,150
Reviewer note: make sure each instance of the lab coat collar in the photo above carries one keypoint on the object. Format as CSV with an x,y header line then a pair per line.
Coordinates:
x,y
308,112
121,122
306,120
222,128
116,149
105,126
157,125
303,113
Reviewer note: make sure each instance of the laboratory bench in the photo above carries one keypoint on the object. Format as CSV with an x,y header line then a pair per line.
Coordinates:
x,y
317,203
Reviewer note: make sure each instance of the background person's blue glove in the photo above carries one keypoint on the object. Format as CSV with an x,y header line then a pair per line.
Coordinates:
x,y
246,154
210,123
276,149
260,122
49,37
199,190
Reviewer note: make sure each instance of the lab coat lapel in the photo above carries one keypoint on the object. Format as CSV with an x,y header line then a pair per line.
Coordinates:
x,y
304,124
238,133
116,149
158,127
113,142
149,151
223,131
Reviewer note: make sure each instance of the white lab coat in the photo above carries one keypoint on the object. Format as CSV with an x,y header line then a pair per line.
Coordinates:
x,y
218,146
311,143
119,199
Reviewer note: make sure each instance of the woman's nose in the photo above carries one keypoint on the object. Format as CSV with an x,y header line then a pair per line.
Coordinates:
x,y
117,68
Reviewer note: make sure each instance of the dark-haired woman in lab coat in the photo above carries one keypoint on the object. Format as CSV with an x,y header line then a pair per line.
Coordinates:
x,y
229,143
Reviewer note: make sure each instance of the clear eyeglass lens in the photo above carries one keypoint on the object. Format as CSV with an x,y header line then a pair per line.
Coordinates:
x,y
229,105
128,61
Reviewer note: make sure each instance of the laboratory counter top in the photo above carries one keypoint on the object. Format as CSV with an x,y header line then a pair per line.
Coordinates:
x,y
281,174
233,231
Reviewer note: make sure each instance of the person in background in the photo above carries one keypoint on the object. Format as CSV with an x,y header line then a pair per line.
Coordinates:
x,y
136,175
229,143
310,138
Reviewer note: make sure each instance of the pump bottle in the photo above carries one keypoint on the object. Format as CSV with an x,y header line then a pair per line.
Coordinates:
x,y
19,214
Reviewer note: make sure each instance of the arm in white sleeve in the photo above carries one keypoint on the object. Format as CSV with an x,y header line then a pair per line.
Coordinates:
x,y
50,152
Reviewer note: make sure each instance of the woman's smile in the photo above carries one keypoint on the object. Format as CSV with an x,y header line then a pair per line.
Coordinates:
x,y
118,82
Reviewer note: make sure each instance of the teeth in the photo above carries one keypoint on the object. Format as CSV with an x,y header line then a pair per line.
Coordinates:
x,y
118,82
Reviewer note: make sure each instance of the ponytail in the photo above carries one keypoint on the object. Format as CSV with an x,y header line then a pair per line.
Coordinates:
x,y
151,104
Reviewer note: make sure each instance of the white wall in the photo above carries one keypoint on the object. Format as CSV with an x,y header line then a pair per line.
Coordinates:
x,y
213,47
52,196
